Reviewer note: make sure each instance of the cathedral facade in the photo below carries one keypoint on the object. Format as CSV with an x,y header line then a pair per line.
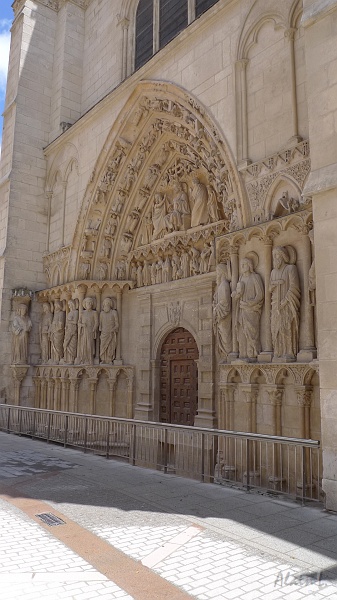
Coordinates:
x,y
168,193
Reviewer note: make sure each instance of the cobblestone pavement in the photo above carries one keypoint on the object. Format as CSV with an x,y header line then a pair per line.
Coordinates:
x,y
209,541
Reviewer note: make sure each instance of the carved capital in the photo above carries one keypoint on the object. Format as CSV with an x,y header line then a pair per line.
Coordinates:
x,y
242,63
304,395
250,393
275,396
19,372
289,34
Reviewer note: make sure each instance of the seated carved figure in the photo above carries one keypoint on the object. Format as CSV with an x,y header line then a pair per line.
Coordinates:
x,y
179,216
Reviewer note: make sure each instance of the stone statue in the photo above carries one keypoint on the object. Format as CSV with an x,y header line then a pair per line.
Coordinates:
x,y
139,275
286,294
153,273
185,264
176,219
205,258
195,261
108,326
199,215
57,332
158,216
21,326
212,203
175,266
222,317
87,332
44,331
146,273
70,335
249,296
166,273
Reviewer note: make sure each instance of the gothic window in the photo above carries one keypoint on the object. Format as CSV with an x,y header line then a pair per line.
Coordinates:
x,y
159,21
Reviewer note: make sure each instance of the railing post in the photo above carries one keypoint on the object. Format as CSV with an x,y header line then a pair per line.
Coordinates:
x,y
304,474
85,434
248,464
48,428
65,432
165,453
34,422
202,457
134,438
108,440
8,420
20,421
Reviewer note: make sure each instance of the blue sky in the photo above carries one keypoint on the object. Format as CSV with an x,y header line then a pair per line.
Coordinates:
x,y
6,17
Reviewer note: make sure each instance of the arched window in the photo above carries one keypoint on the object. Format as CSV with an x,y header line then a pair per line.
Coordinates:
x,y
159,21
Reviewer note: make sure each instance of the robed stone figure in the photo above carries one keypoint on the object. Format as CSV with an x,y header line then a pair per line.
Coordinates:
x,y
21,326
222,317
285,309
108,326
87,332
249,296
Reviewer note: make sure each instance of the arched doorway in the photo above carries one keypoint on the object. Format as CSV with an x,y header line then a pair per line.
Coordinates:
x,y
179,378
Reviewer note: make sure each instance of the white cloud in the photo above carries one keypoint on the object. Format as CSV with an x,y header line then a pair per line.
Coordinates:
x,y
5,39
4,51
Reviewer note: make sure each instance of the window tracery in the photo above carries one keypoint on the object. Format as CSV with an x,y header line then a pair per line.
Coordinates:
x,y
157,22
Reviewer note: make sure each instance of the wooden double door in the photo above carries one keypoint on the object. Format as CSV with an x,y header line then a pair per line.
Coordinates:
x,y
179,378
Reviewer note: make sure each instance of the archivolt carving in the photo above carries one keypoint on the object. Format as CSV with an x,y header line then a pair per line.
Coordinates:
x,y
168,187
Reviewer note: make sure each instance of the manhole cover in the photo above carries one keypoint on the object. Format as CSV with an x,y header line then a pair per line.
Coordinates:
x,y
50,519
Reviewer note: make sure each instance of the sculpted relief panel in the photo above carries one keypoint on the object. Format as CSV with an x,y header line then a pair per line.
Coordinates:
x,y
263,303
76,331
168,188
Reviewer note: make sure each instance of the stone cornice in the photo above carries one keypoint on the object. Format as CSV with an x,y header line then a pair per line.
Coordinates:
x,y
52,4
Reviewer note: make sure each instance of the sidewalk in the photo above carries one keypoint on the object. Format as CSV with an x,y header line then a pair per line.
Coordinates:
x,y
134,533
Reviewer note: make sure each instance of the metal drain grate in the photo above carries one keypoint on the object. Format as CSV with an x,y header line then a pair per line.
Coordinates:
x,y
50,519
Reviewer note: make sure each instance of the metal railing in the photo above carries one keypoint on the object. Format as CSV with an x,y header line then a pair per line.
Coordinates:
x,y
281,465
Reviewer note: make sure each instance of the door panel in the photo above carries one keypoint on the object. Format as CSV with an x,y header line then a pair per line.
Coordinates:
x,y
179,378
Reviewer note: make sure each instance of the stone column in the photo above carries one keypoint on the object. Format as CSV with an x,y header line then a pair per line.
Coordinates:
x,y
227,400
304,399
37,383
250,393
234,251
267,353
19,372
57,392
118,360
112,388
129,407
49,197
74,384
43,393
64,198
65,385
93,385
275,394
241,69
50,394
307,348
289,34
155,376
98,295
124,23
